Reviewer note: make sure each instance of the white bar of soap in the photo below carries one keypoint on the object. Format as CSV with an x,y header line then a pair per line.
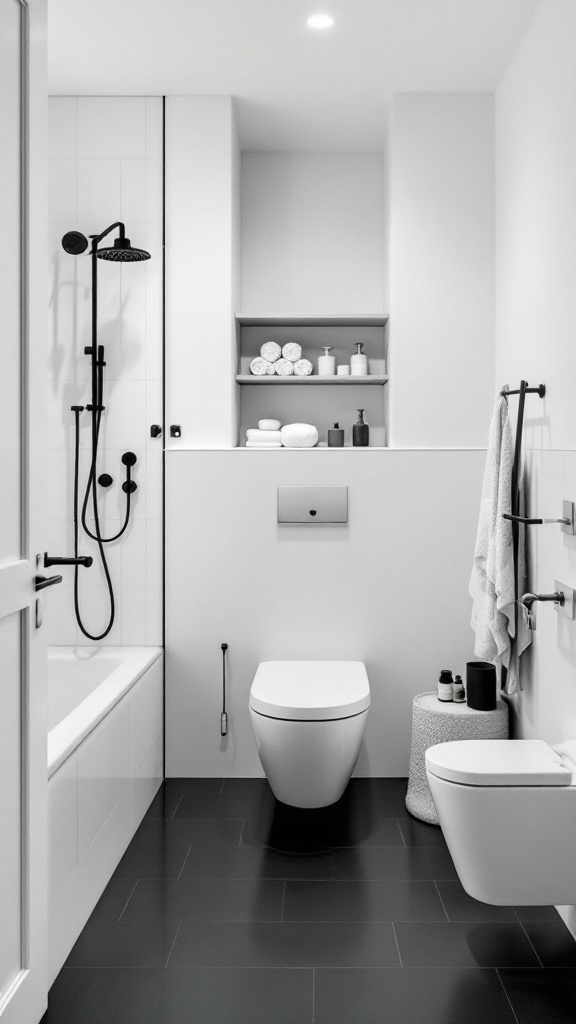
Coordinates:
x,y
269,424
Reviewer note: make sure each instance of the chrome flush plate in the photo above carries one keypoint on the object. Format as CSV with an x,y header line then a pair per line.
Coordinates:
x,y
313,505
566,609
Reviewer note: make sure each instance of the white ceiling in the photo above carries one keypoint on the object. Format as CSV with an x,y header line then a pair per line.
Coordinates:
x,y
295,88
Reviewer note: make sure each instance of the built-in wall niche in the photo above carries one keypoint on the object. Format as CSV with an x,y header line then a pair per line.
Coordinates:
x,y
318,400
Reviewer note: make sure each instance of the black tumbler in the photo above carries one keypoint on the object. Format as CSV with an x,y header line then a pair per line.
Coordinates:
x,y
481,685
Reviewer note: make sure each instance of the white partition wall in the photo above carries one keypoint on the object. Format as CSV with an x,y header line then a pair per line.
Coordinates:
x,y
202,268
441,265
390,589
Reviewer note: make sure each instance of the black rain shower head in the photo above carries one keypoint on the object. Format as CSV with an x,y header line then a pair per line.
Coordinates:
x,y
75,243
123,252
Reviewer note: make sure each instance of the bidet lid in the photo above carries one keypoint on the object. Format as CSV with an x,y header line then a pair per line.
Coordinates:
x,y
498,763
310,690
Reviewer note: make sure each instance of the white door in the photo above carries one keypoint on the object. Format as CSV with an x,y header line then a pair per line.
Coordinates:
x,y
23,786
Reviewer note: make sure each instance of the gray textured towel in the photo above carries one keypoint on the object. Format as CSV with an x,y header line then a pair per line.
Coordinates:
x,y
492,580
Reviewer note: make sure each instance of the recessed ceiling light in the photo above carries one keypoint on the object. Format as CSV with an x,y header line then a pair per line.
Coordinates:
x,y
320,21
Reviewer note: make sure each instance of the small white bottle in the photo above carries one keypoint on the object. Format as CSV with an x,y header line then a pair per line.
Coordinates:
x,y
327,363
359,362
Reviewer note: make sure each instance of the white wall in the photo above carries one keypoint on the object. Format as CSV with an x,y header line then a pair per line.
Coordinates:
x,y
389,589
312,232
441,258
202,268
105,165
536,285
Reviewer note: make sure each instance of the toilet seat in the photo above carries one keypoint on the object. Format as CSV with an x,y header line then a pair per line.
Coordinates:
x,y
310,690
499,763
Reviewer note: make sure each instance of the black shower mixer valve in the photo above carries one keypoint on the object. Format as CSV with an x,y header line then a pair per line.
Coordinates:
x,y
129,459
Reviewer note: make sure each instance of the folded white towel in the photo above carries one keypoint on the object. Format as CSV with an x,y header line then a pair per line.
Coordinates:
x,y
271,351
492,580
292,351
283,367
303,368
299,435
264,435
269,424
260,367
263,444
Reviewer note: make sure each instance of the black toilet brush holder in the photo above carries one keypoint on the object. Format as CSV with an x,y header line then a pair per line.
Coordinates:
x,y
481,686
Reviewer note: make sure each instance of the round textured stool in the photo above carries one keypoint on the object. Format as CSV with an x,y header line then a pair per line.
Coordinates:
x,y
435,721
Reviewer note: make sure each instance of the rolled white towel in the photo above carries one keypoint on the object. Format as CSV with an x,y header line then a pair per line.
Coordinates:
x,y
260,367
264,435
271,351
283,367
299,435
267,445
292,351
269,424
303,368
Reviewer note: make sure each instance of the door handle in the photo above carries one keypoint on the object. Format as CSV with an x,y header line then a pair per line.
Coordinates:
x,y
41,582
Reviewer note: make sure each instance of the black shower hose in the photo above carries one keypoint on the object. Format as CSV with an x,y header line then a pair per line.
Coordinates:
x,y
97,536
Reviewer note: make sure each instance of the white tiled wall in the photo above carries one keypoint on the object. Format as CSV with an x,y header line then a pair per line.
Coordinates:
x,y
106,165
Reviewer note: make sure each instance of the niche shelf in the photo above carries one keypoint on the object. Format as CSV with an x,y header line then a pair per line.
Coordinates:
x,y
250,378
287,401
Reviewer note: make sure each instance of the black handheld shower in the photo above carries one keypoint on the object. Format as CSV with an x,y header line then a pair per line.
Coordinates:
x,y
122,251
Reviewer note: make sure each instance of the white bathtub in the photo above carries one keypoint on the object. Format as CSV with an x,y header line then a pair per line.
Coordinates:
x,y
105,752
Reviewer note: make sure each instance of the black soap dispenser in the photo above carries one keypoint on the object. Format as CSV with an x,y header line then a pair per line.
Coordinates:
x,y
336,437
360,432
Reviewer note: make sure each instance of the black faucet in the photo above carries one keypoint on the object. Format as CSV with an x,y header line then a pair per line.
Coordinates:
x,y
85,560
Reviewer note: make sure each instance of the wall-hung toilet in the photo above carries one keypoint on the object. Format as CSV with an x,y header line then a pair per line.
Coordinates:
x,y
309,719
508,812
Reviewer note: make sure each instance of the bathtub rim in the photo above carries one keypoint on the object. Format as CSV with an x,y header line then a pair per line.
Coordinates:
x,y
65,737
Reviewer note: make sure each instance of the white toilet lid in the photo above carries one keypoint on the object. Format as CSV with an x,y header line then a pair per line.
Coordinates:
x,y
310,690
498,763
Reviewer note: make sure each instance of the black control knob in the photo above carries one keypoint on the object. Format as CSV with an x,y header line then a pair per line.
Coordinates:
x,y
105,480
129,486
129,459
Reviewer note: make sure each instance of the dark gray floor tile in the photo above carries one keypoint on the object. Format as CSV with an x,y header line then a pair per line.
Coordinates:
x,y
352,944
123,945
367,862
163,805
189,832
236,997
292,830
384,798
536,913
363,901
256,803
461,907
542,996
255,862
553,942
106,996
206,899
113,900
418,833
177,787
410,997
247,787
464,945
441,865
152,861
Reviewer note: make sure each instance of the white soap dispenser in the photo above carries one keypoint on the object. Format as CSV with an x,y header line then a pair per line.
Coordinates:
x,y
359,362
327,363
